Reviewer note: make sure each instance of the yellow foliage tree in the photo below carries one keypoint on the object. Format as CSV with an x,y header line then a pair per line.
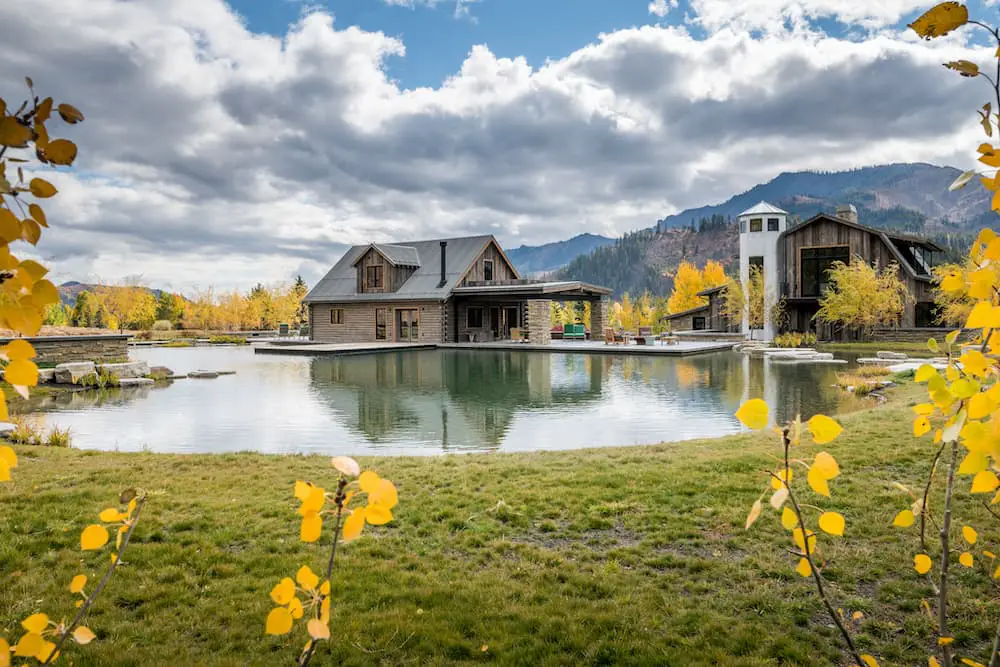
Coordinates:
x,y
129,305
863,297
688,281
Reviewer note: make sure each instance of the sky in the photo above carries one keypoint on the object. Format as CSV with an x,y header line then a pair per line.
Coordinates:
x,y
230,143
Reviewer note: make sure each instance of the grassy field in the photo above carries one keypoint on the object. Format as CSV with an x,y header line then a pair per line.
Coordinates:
x,y
626,556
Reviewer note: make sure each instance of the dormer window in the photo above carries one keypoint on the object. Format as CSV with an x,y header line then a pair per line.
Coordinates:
x,y
488,270
756,224
373,277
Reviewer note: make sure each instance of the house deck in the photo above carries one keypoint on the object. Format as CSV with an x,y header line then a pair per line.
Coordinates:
x,y
681,349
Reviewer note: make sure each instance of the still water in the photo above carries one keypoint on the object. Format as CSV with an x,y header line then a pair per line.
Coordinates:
x,y
429,402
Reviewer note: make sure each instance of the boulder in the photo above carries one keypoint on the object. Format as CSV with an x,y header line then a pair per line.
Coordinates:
x,y
130,369
135,382
72,373
7,427
896,356
46,375
161,372
205,375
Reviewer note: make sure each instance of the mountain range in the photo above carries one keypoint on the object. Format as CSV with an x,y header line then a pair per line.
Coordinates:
x,y
913,198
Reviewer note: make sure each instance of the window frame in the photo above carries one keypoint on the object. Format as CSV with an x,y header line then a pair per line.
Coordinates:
x,y
382,328
337,316
827,254
700,319
376,271
491,266
773,224
468,317
756,225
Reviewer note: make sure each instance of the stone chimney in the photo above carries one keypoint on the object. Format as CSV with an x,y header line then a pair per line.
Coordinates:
x,y
847,212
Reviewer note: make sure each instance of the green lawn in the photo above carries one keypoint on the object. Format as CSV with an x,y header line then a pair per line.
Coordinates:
x,y
916,349
611,556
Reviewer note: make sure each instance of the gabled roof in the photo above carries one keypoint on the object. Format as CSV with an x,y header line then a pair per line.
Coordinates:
x,y
397,255
689,311
887,237
712,290
340,284
763,208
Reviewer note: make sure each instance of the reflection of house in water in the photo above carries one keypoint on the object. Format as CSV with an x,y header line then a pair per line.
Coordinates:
x,y
458,399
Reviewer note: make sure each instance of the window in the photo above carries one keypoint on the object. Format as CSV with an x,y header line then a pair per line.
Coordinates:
x,y
743,226
926,314
336,316
772,224
756,224
758,262
373,277
381,316
474,318
698,323
816,263
488,270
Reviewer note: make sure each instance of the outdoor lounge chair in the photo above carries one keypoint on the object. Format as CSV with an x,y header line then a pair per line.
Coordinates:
x,y
645,336
612,337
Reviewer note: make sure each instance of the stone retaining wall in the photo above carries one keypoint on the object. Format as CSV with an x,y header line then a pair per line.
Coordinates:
x,y
63,349
915,335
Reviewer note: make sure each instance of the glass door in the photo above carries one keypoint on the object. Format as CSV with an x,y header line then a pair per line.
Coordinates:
x,y
407,325
381,320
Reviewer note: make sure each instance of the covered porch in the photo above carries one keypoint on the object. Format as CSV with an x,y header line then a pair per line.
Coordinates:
x,y
518,310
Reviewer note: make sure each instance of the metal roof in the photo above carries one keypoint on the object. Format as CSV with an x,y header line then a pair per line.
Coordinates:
x,y
763,208
340,284
397,255
527,288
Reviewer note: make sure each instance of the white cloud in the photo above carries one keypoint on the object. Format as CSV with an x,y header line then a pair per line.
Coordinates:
x,y
662,7
213,155
772,15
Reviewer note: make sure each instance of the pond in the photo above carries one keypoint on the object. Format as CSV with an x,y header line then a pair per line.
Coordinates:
x,y
433,401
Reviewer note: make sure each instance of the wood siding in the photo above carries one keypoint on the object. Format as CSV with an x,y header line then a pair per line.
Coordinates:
x,y
502,271
861,243
359,321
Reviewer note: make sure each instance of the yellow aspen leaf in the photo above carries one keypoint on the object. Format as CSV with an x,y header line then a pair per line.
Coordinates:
x,y
989,554
996,573
799,537
111,515
8,456
980,406
921,426
29,645
952,373
970,534
985,482
13,134
966,559
44,110
318,629
38,215
31,231
979,316
953,282
314,501
42,188
788,519
324,610
295,608
945,641
302,490
312,527
824,429
79,581
368,481
45,651
981,283
781,478
826,466
346,465
10,226
62,151
36,623
924,409
93,537
832,523
69,113
974,363
964,388
922,563
21,372
279,622
19,349
779,497
966,176
753,414
904,519
354,524
933,662
754,513
306,578
4,471
378,515
857,616
869,660
284,592
384,494
83,635
4,653
992,250
818,482
925,373
803,568
972,663
324,588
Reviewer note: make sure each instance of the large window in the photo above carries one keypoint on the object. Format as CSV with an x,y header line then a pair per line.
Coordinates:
x,y
381,317
373,277
336,316
816,264
474,318
698,323
772,224
926,314
488,270
756,224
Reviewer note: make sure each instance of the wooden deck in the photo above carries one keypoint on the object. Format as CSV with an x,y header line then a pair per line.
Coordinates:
x,y
681,349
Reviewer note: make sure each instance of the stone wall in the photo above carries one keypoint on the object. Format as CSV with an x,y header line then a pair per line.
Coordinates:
x,y
917,335
539,321
599,318
62,349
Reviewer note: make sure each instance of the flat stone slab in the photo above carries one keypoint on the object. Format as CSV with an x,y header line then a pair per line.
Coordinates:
x,y
873,361
46,375
7,427
900,356
810,361
135,382
203,375
913,365
72,373
131,369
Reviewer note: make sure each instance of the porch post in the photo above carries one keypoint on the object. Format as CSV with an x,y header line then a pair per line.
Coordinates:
x,y
538,322
598,318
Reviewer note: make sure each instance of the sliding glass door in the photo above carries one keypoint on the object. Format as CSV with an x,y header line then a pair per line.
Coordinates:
x,y
407,325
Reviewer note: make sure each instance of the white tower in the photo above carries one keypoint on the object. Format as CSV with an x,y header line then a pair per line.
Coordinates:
x,y
760,230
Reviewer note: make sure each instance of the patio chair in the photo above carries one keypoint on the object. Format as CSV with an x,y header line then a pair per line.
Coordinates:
x,y
611,337
645,336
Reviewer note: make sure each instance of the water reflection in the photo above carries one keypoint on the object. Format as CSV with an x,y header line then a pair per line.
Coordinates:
x,y
425,402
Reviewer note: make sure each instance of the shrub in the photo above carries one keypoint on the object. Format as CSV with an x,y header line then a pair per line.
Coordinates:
x,y
179,343
227,340
58,437
101,380
795,339
872,371
162,325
